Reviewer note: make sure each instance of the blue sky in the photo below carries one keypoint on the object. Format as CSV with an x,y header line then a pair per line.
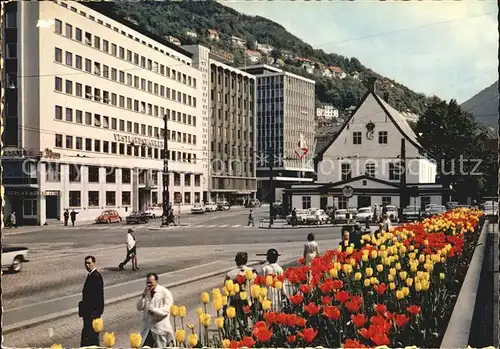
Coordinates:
x,y
444,48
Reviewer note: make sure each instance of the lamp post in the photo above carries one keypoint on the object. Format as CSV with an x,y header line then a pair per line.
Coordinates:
x,y
166,193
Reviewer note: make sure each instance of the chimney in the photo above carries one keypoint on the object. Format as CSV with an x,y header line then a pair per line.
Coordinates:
x,y
370,84
386,97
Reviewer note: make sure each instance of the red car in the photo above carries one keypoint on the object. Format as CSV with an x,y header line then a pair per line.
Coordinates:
x,y
109,216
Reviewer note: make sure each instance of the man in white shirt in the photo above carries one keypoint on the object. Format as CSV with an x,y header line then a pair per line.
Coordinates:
x,y
241,260
155,303
131,251
272,268
387,223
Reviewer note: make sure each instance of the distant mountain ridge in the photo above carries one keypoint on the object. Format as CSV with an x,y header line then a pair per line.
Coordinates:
x,y
484,106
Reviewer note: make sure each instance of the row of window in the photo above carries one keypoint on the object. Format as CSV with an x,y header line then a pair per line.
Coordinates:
x,y
358,136
97,120
120,52
120,101
53,174
107,72
395,171
107,147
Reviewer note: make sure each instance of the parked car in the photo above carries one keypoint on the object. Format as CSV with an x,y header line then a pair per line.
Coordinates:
x,y
223,206
340,216
364,214
317,217
330,210
301,216
434,210
155,211
392,212
451,205
210,206
198,208
13,258
253,203
490,210
411,213
137,217
109,216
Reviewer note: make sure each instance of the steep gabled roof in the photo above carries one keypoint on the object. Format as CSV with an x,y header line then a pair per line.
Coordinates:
x,y
397,119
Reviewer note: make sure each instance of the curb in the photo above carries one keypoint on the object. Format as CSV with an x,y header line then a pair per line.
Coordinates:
x,y
36,321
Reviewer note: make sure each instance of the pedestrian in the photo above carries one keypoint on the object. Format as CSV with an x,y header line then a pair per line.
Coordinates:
x,y
92,304
380,230
311,249
356,235
241,260
274,269
251,219
346,240
171,217
294,217
131,251
66,217
155,303
387,223
73,217
12,220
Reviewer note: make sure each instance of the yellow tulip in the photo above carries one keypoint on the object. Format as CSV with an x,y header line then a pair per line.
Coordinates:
x,y
217,304
269,280
392,286
374,281
216,293
108,339
225,292
418,286
403,275
357,276
392,271
135,340
334,273
255,290
441,276
226,343
398,266
399,295
180,336
231,312
421,258
409,282
205,319
219,322
243,295
349,250
369,272
278,285
373,254
249,274
174,310
205,297
347,268
390,278
199,311
224,300
367,282
182,311
98,325
406,291
263,292
364,257
192,340
236,288
266,304
56,346
380,268
229,285
413,268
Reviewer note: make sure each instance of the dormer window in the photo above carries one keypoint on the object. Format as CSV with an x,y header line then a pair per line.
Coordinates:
x,y
370,169
356,138
382,137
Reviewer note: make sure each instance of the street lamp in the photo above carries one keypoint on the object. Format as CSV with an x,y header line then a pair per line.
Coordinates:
x,y
166,194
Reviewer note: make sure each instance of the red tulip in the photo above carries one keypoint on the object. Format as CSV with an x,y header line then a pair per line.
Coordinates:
x,y
312,309
247,342
291,339
296,299
270,317
342,296
380,338
380,289
380,308
241,279
359,319
263,334
308,334
326,300
401,320
414,309
305,288
234,345
352,343
352,306
337,284
332,312
246,309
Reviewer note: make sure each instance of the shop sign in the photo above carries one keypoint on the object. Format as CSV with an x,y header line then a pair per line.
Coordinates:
x,y
138,140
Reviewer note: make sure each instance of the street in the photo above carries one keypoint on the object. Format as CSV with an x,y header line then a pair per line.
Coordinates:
x,y
56,270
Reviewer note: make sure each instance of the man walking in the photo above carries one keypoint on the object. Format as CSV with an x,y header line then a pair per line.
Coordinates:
x,y
66,217
155,303
73,217
92,304
294,217
131,251
12,220
251,219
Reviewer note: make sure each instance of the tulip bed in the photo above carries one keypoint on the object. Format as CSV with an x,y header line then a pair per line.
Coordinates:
x,y
398,290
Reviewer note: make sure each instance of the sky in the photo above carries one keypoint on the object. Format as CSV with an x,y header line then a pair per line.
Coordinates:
x,y
445,48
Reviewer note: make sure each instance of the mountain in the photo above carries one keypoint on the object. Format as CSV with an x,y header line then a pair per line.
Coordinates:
x,y
484,106
178,18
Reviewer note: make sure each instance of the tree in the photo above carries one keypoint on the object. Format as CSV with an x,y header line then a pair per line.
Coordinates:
x,y
457,143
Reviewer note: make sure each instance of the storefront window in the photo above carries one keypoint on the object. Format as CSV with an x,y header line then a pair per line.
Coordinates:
x,y
30,208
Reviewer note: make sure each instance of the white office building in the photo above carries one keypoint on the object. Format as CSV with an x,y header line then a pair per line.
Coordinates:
x,y
85,107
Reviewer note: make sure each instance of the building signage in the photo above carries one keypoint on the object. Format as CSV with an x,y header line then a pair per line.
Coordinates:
x,y
221,54
347,191
21,153
138,141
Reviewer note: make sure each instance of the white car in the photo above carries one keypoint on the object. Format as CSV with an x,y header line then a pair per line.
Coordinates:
x,y
198,208
392,212
340,216
210,206
13,258
364,214
154,211
317,217
301,216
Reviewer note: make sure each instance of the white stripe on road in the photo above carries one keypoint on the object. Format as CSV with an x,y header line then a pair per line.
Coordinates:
x,y
223,226
199,226
236,226
211,226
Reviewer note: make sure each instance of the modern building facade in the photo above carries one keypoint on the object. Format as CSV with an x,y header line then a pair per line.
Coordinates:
x,y
285,130
84,114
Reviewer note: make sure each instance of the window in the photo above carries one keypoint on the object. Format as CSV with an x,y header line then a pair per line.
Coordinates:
x,y
342,202
110,175
88,118
74,172
126,198
110,198
69,58
58,112
93,174
30,208
386,200
58,84
58,26
306,202
11,20
78,62
187,179
97,145
395,171
346,172
382,137
58,55
93,198
75,198
88,65
126,176
356,138
59,141
69,87
69,142
69,31
370,169
52,172
69,114
78,116
78,34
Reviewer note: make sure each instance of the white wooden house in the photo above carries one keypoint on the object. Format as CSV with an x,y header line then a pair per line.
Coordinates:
x,y
366,156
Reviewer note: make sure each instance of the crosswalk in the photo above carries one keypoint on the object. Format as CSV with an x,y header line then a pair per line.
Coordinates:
x,y
220,226
155,225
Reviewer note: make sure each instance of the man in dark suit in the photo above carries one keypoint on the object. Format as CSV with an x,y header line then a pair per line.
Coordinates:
x,y
92,304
